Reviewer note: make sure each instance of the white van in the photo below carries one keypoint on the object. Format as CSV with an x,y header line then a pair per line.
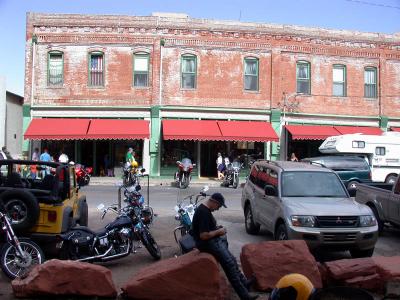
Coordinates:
x,y
381,151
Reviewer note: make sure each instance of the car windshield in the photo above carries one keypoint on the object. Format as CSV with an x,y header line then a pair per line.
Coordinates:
x,y
311,184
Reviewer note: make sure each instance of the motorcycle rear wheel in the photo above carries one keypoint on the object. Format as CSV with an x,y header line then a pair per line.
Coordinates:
x,y
13,265
236,182
150,244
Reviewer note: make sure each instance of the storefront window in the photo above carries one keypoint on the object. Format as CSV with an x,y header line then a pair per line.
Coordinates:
x,y
177,150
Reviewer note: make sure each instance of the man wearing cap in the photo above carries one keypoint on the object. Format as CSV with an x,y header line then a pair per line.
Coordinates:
x,y
211,238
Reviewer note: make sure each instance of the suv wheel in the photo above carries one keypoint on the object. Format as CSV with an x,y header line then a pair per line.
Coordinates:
x,y
251,227
391,179
281,233
356,253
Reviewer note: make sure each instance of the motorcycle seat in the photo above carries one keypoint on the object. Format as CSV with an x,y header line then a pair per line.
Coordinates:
x,y
100,232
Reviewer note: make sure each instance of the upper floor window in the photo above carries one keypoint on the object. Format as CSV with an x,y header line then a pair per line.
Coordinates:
x,y
370,90
141,70
55,75
188,71
251,74
96,69
303,77
339,80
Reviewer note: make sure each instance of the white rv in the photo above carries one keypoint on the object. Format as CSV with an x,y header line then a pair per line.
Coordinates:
x,y
381,151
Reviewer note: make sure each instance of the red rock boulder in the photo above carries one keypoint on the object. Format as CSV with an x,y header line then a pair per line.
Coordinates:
x,y
343,269
388,267
269,261
65,277
191,276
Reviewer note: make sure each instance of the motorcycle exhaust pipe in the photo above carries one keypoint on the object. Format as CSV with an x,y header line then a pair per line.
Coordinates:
x,y
116,255
96,256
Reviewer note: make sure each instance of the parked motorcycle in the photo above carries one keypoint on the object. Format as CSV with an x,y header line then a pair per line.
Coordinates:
x,y
115,241
129,172
18,255
185,211
183,175
83,174
231,176
134,198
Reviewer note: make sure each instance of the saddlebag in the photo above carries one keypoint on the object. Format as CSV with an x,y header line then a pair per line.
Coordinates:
x,y
187,243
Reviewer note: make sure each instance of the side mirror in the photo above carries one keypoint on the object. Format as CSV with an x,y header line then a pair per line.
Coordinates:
x,y
100,206
205,188
143,170
270,190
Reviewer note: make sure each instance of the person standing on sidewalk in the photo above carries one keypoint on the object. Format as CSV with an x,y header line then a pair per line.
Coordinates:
x,y
212,239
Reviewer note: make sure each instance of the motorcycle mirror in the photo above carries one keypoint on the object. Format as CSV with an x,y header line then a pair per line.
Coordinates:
x,y
100,206
205,188
143,170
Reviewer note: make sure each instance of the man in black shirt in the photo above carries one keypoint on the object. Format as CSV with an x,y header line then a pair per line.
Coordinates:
x,y
211,238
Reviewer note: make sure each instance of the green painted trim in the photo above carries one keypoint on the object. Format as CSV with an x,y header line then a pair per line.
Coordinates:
x,y
155,141
48,68
98,53
245,60
383,122
58,107
189,57
26,110
220,109
140,54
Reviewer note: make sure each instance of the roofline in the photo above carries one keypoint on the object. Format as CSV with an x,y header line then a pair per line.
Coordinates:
x,y
66,20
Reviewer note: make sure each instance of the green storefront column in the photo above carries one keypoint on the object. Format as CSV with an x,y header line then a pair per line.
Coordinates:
x,y
383,123
155,141
276,125
26,120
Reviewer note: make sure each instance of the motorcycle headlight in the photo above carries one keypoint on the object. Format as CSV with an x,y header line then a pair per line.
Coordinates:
x,y
367,221
303,221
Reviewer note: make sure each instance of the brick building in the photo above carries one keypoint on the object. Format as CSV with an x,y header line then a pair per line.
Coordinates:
x,y
172,86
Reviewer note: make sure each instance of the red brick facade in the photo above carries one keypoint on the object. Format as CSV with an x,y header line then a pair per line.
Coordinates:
x,y
220,48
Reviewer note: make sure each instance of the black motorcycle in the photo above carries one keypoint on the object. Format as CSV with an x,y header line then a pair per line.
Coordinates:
x,y
115,241
183,175
231,174
18,255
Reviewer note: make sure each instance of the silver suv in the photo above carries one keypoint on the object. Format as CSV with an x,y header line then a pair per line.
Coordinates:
x,y
301,201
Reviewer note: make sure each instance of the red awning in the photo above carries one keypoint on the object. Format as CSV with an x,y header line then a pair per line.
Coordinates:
x,y
358,129
57,129
197,130
118,129
395,129
311,132
250,131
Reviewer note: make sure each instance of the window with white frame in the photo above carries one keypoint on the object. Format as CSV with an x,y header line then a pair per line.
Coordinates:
x,y
96,69
370,80
380,151
303,77
141,70
339,80
251,74
188,71
358,144
55,75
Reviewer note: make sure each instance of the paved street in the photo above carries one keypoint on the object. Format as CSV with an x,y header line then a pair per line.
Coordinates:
x,y
163,200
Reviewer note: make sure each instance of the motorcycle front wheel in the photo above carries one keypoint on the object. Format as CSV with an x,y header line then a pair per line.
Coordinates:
x,y
13,264
236,182
150,244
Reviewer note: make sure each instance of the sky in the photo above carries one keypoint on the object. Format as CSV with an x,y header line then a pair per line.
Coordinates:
x,y
360,15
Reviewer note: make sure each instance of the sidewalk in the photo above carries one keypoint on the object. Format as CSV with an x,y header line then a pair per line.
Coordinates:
x,y
161,181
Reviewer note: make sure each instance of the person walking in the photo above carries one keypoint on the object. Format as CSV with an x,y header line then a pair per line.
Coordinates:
x,y
293,157
45,156
220,166
212,239
35,154
63,158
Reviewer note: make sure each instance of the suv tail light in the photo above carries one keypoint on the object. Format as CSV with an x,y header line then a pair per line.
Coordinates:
x,y
52,216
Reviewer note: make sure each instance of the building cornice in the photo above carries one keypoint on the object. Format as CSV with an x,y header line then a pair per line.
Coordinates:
x,y
156,25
